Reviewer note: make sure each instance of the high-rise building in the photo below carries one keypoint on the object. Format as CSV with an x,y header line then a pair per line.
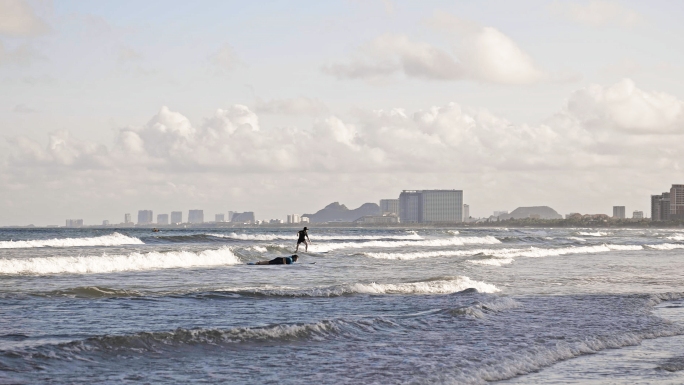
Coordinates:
x,y
105,223
466,212
231,214
219,218
638,214
163,219
127,218
619,212
677,202
389,206
293,218
411,206
431,206
176,217
145,217
196,216
660,207
74,222
246,217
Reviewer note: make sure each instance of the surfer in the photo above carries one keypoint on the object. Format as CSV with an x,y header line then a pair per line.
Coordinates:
x,y
303,237
280,261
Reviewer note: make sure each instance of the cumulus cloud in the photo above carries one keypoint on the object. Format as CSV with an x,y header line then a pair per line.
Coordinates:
x,y
598,13
18,19
294,106
479,53
593,135
624,107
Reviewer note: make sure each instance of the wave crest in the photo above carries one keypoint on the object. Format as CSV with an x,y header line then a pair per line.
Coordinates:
x,y
438,286
114,239
116,263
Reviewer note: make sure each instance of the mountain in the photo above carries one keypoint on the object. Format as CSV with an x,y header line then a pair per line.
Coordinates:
x,y
335,212
540,212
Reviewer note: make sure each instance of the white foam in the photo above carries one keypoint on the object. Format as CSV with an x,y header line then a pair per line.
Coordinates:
x,y
666,246
593,234
272,237
577,239
504,255
441,286
115,263
114,239
437,242
676,237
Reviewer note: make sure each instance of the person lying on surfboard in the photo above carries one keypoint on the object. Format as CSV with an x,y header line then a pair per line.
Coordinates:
x,y
303,237
279,261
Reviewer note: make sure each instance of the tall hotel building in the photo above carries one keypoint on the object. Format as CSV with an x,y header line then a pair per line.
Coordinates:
x,y
145,217
196,216
389,206
176,217
619,212
677,202
431,206
163,219
668,205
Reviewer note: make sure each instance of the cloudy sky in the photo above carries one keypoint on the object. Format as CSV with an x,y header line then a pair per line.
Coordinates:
x,y
278,107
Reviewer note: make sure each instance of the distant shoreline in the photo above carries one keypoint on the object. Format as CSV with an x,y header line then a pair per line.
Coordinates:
x,y
513,223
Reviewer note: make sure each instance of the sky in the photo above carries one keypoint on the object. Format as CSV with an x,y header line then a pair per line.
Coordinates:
x,y
282,107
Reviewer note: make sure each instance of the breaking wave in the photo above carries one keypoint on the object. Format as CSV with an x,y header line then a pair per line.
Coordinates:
x,y
438,242
505,255
92,292
438,286
114,239
666,246
115,263
272,237
593,234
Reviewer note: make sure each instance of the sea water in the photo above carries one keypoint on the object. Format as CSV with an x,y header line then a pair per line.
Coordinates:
x,y
362,306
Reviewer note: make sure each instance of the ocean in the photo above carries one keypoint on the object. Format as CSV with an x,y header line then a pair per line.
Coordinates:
x,y
362,306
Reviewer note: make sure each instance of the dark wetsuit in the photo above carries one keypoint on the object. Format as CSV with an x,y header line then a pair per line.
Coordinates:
x,y
302,236
281,261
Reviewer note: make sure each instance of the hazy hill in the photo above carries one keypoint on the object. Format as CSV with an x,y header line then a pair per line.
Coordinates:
x,y
544,212
340,213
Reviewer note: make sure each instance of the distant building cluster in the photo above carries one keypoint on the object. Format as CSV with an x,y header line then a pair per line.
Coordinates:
x,y
74,222
668,205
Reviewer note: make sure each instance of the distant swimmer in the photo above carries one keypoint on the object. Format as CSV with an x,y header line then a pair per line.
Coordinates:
x,y
303,238
279,261
155,230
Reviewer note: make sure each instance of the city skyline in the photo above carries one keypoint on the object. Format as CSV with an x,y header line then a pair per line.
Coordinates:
x,y
518,103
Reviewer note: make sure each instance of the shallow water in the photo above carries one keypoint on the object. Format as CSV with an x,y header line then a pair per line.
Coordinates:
x,y
362,306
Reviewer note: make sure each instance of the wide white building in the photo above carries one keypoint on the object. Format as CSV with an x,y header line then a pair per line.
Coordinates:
x,y
431,206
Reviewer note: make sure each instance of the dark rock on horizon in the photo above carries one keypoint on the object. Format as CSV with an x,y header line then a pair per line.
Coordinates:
x,y
540,212
336,212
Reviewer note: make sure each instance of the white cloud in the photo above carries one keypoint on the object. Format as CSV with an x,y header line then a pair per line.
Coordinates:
x,y
18,19
598,13
624,107
601,129
481,53
295,106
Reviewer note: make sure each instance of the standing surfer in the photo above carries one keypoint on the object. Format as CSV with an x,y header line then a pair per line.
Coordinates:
x,y
303,237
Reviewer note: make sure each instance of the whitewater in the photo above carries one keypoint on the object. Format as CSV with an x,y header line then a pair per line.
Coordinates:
x,y
361,306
